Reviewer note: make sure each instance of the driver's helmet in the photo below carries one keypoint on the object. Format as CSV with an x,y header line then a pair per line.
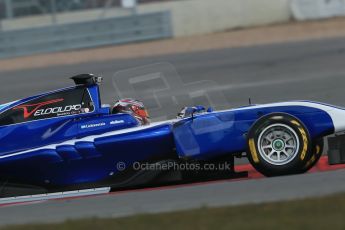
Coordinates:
x,y
133,107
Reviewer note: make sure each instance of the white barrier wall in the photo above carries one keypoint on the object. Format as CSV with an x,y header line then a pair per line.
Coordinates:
x,y
61,18
189,17
317,9
208,16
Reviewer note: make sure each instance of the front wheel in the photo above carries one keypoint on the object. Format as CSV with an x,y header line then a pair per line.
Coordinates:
x,y
317,150
278,144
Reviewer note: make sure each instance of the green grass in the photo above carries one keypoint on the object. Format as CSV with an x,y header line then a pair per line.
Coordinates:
x,y
319,213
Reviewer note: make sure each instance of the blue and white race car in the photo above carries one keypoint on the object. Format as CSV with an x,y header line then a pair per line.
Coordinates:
x,y
66,139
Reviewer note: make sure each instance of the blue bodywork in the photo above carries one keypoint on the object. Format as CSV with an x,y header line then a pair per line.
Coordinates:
x,y
87,147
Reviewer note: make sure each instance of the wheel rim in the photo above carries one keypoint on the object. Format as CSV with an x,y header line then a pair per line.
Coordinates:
x,y
278,144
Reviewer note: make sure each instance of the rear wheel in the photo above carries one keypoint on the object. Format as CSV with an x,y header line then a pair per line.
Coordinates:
x,y
278,144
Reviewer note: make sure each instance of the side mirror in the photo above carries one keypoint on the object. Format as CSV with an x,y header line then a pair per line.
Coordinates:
x,y
197,109
190,111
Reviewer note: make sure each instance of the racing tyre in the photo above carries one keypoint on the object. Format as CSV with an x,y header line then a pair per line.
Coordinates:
x,y
317,150
278,144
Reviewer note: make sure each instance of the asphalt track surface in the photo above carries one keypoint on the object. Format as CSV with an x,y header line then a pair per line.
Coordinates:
x,y
178,198
313,70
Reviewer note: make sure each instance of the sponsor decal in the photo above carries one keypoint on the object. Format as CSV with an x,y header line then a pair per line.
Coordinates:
x,y
36,110
59,111
92,125
34,107
117,122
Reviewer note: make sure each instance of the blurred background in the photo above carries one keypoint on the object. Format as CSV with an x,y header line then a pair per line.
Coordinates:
x,y
175,53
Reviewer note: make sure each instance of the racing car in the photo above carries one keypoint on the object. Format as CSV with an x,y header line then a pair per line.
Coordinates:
x,y
67,139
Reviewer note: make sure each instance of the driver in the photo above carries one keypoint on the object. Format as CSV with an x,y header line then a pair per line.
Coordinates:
x,y
133,107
